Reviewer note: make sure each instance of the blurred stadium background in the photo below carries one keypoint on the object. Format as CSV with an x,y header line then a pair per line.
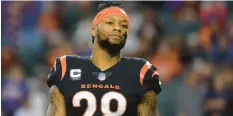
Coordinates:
x,y
191,43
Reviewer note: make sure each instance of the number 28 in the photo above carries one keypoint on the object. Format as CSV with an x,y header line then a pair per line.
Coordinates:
x,y
105,103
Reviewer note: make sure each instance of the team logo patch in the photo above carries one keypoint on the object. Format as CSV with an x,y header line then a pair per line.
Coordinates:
x,y
102,75
75,74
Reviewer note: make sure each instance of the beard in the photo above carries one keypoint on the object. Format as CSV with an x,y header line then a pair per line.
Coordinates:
x,y
113,49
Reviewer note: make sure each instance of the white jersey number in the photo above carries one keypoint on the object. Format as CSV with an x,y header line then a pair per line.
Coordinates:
x,y
105,103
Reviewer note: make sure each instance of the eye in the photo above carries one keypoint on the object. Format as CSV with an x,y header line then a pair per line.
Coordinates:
x,y
110,23
124,26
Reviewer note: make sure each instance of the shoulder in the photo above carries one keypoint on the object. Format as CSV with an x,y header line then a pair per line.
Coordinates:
x,y
60,67
74,57
136,59
64,61
140,62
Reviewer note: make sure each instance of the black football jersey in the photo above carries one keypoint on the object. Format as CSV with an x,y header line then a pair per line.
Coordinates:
x,y
89,91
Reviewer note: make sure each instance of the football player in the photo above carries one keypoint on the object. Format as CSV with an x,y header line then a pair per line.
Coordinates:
x,y
104,84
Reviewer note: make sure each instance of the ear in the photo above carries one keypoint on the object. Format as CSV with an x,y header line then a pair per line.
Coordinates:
x,y
94,32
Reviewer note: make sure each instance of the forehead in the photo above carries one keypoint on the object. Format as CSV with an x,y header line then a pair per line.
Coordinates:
x,y
116,18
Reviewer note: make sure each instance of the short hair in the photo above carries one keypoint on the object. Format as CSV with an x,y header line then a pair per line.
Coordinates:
x,y
108,4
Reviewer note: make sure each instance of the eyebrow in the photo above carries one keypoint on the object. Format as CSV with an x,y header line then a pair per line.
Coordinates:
x,y
124,21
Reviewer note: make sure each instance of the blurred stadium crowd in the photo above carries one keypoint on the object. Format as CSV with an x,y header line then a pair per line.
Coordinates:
x,y
191,43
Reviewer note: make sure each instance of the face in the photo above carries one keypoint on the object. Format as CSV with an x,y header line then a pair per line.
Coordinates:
x,y
111,33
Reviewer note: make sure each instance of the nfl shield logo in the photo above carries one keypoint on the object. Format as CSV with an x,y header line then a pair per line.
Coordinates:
x,y
101,76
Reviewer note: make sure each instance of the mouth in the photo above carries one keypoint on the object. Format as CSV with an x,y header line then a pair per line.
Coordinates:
x,y
115,36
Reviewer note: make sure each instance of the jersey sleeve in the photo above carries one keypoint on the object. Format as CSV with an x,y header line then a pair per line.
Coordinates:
x,y
149,78
55,73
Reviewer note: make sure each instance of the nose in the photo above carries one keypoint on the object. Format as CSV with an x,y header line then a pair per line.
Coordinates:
x,y
117,28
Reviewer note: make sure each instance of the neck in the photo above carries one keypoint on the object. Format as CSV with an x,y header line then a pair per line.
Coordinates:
x,y
102,58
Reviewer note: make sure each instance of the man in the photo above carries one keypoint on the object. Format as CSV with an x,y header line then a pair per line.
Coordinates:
x,y
104,84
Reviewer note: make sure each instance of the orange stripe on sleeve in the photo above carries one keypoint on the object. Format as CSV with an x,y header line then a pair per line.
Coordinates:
x,y
143,71
54,65
63,66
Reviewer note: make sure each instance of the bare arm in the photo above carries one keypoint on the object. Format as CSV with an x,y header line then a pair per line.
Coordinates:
x,y
148,105
56,103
